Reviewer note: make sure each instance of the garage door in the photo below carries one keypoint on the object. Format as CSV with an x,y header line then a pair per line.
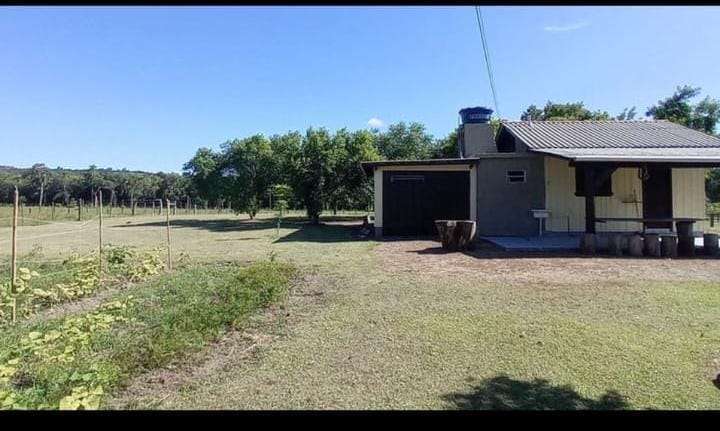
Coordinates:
x,y
413,200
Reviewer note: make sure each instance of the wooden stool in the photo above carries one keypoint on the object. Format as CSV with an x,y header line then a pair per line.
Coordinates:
x,y
635,245
669,245
652,244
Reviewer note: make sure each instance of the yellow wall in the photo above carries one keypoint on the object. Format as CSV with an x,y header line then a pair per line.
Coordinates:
x,y
688,195
565,207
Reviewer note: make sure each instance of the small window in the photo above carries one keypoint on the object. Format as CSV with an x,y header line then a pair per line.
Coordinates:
x,y
515,176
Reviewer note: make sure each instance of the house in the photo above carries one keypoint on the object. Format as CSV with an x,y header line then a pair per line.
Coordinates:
x,y
582,174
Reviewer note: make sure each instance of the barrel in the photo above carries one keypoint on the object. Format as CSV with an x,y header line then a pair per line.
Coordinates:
x,y
615,245
668,245
710,244
651,244
686,245
635,245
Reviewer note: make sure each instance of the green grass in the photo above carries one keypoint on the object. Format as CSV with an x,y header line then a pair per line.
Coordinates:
x,y
165,320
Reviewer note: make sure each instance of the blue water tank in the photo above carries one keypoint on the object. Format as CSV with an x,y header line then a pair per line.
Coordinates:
x,y
478,114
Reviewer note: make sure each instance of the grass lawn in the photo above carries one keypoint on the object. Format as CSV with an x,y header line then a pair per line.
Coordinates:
x,y
399,324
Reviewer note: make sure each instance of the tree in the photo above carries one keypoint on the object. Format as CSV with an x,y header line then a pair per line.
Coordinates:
x,y
314,170
38,178
447,147
248,164
348,186
675,108
204,172
562,111
626,115
404,142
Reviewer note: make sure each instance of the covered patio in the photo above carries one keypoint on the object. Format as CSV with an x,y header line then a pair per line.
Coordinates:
x,y
647,177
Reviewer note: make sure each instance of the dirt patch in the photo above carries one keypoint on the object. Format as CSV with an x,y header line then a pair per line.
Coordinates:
x,y
427,258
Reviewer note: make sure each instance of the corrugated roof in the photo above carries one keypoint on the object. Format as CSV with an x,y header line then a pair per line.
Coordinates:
x,y
669,155
538,135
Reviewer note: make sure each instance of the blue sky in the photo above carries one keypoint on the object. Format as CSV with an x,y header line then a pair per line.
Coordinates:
x,y
144,87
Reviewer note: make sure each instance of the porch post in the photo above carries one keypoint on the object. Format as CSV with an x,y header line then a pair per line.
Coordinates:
x,y
589,199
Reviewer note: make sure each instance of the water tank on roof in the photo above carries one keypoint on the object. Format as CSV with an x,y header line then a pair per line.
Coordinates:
x,y
476,115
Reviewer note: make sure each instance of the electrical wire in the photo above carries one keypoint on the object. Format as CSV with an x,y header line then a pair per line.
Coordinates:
x,y
486,53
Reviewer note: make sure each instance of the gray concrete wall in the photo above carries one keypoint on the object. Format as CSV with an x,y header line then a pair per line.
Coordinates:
x,y
478,139
504,208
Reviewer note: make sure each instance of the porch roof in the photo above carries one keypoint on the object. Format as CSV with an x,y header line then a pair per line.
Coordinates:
x,y
710,156
618,141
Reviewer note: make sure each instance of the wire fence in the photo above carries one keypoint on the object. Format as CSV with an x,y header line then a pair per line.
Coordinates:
x,y
90,228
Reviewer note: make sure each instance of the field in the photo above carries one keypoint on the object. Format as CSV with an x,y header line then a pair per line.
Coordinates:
x,y
392,324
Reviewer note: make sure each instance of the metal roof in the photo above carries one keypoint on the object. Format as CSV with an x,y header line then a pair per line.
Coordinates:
x,y
540,135
368,166
706,155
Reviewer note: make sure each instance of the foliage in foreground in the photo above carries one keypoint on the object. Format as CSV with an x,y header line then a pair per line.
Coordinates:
x,y
72,362
81,280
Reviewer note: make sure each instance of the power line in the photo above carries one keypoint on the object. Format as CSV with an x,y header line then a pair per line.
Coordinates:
x,y
486,53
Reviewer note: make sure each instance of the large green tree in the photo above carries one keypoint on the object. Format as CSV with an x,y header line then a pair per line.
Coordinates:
x,y
248,164
404,141
678,108
316,166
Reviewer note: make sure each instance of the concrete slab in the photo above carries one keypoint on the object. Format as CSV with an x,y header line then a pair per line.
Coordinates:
x,y
544,243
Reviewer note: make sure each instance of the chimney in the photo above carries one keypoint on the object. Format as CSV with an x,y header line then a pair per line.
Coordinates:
x,y
475,134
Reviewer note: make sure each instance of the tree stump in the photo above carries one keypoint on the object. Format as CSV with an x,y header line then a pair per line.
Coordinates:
x,y
652,244
456,234
668,246
710,244
588,243
635,245
615,245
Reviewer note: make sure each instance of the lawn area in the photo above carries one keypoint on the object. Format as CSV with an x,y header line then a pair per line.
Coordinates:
x,y
400,324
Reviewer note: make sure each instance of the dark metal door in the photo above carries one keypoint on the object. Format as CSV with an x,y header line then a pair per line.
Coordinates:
x,y
413,200
657,196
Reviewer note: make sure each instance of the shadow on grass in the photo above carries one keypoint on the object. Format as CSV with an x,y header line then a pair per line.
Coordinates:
x,y
326,231
505,393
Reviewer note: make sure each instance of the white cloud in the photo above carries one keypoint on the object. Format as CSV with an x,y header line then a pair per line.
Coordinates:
x,y
375,123
568,27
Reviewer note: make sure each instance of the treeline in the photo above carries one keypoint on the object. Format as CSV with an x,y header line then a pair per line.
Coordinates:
x,y
40,185
317,170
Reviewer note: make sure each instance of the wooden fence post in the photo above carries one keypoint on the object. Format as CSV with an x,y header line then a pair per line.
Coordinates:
x,y
167,219
13,268
100,265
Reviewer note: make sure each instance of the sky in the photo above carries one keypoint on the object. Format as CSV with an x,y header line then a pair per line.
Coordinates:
x,y
145,87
